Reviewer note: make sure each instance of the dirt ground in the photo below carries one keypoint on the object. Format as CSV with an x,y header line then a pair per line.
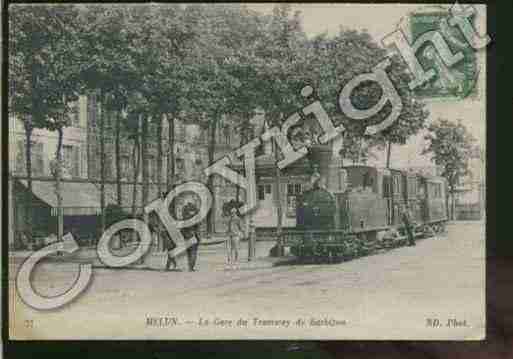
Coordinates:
x,y
393,295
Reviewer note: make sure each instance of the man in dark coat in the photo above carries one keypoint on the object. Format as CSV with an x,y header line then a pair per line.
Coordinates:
x,y
189,211
160,231
406,218
169,245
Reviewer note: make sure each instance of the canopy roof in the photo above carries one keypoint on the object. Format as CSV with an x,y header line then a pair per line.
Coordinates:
x,y
78,198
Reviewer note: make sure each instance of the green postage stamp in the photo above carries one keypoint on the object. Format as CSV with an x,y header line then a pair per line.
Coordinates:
x,y
458,81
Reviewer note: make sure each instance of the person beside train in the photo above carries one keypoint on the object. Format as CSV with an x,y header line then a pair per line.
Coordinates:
x,y
408,224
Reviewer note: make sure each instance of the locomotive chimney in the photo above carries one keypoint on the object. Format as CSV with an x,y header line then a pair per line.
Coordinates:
x,y
328,166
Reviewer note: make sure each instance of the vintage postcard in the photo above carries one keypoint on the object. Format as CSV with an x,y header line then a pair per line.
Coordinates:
x,y
246,171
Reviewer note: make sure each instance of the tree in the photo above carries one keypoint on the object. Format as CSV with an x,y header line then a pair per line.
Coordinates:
x,y
40,66
280,64
219,65
160,40
44,75
108,75
334,61
451,147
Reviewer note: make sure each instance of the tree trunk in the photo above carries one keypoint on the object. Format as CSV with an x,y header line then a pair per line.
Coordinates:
x,y
277,202
118,159
389,152
144,160
28,124
243,140
359,154
102,162
58,175
170,152
136,160
170,178
210,180
237,188
159,119
447,206
453,206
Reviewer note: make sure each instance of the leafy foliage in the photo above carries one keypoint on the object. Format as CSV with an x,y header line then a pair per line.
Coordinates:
x,y
198,62
44,74
451,146
334,61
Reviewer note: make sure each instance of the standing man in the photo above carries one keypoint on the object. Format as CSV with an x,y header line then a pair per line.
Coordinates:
x,y
168,245
159,233
235,233
406,218
189,211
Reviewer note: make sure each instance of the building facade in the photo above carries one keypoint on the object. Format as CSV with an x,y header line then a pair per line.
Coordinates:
x,y
44,146
81,156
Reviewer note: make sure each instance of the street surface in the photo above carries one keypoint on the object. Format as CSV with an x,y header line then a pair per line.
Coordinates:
x,y
394,295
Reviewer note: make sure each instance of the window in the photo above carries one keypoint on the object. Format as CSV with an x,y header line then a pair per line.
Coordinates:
x,y
152,168
420,189
291,206
74,115
293,189
397,185
20,157
386,187
180,164
202,137
109,166
226,134
124,165
367,179
180,131
438,190
71,158
435,190
261,192
96,168
37,161
92,109
264,190
412,187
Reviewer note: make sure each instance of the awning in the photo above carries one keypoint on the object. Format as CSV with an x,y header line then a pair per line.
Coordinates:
x,y
78,198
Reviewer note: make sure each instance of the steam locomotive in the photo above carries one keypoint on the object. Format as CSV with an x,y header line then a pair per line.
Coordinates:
x,y
365,216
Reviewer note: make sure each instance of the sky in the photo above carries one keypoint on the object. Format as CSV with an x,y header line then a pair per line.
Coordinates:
x,y
379,20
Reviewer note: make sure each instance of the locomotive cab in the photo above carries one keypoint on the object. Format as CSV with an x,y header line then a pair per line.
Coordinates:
x,y
315,210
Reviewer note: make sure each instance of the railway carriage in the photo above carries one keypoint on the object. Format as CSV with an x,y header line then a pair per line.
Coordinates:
x,y
366,215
